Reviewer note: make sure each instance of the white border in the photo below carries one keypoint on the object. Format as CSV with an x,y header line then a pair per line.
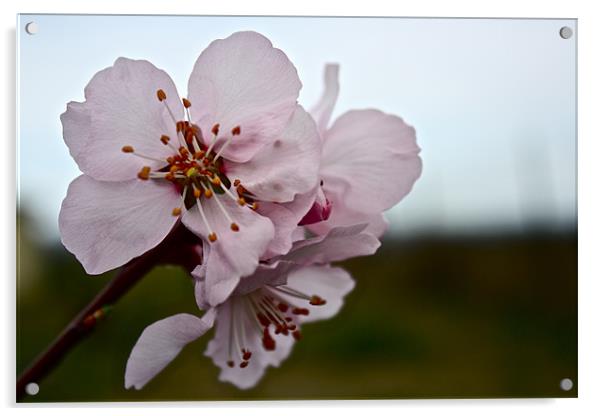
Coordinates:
x,y
590,207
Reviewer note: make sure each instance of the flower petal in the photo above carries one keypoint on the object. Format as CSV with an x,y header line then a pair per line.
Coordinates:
x,y
330,283
273,274
369,160
121,108
342,216
234,311
106,224
322,111
234,254
160,343
243,81
339,244
285,167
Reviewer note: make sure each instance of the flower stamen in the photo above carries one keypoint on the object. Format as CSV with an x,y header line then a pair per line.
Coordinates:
x,y
212,236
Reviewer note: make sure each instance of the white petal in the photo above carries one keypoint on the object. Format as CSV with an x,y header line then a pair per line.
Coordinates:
x,y
106,224
330,283
234,254
243,81
235,311
160,343
369,161
322,111
121,108
339,244
286,167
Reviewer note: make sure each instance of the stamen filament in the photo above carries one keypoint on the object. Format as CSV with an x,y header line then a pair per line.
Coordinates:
x,y
169,111
221,150
211,236
154,159
233,225
291,292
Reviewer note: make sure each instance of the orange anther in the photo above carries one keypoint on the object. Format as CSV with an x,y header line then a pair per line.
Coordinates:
x,y
144,173
161,95
215,129
186,103
212,237
236,131
208,193
176,212
127,149
317,301
197,193
242,202
234,226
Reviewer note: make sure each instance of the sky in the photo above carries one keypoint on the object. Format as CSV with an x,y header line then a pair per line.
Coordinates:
x,y
493,102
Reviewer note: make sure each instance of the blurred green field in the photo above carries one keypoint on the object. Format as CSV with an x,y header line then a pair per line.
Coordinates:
x,y
488,316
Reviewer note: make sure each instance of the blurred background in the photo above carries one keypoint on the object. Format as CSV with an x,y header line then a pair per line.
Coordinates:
x,y
474,290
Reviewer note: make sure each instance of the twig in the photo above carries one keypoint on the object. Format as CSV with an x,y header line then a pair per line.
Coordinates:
x,y
176,248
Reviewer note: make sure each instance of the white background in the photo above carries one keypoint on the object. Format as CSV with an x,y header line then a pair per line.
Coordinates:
x,y
590,206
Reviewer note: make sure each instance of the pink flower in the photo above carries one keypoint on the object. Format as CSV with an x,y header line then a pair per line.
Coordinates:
x,y
257,325
222,160
369,163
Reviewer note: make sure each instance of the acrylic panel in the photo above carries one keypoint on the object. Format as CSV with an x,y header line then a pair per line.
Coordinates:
x,y
400,191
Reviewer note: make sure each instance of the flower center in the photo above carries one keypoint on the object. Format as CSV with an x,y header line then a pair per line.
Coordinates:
x,y
197,169
258,311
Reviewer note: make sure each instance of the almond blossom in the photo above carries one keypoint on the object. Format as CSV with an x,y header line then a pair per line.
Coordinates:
x,y
257,325
222,160
369,163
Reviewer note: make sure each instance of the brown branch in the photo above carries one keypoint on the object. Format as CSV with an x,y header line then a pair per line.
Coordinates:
x,y
176,248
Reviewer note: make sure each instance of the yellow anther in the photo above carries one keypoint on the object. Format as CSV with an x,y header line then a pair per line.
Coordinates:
x,y
242,202
176,212
197,193
192,172
208,193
